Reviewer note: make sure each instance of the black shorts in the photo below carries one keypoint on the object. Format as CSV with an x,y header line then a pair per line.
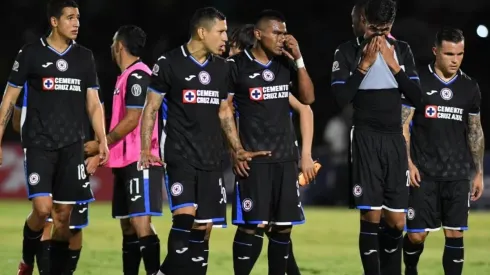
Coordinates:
x,y
58,173
439,203
379,176
205,190
137,192
78,217
269,195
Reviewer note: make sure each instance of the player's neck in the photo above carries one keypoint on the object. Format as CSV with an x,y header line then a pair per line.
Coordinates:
x,y
58,42
260,54
126,61
440,73
197,50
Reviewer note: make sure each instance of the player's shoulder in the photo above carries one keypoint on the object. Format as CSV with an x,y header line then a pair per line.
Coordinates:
x,y
238,58
82,50
402,45
348,46
468,80
32,46
139,74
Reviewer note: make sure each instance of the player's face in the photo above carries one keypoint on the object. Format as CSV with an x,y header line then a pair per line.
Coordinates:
x,y
449,56
271,36
68,23
374,29
215,38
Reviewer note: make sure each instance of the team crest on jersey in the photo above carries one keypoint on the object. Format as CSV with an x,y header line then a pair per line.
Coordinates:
x,y
431,111
446,94
335,66
176,189
15,67
204,78
247,204
410,213
357,190
62,65
268,75
34,178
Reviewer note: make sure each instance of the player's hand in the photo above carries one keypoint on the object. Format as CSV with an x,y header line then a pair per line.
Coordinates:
x,y
291,48
414,175
91,163
307,168
388,53
370,53
91,148
103,153
242,155
147,159
478,187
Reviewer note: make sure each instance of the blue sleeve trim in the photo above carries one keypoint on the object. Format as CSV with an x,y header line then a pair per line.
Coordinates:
x,y
155,91
94,88
338,82
134,107
414,78
408,106
474,114
13,85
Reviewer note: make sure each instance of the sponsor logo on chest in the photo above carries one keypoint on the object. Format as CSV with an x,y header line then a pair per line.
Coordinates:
x,y
444,112
61,84
269,92
200,97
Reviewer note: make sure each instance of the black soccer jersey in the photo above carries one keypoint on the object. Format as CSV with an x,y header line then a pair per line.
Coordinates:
x,y
88,130
261,93
377,109
56,86
194,92
439,134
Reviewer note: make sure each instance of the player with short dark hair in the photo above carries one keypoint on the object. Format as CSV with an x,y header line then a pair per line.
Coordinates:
x,y
60,74
241,38
137,192
374,72
357,15
261,81
79,216
193,79
441,170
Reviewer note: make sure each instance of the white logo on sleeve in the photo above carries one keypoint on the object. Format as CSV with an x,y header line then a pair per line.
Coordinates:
x,y
136,75
335,66
161,57
136,90
62,65
15,67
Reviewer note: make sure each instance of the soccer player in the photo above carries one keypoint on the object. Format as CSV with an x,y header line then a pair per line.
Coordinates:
x,y
78,218
374,72
357,18
243,38
440,170
267,190
137,193
193,79
60,74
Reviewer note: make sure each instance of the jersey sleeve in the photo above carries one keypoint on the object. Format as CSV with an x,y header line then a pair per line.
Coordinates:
x,y
20,68
92,79
475,108
232,75
137,82
409,81
160,78
344,84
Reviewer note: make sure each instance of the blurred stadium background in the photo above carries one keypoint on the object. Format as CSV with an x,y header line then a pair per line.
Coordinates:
x,y
327,244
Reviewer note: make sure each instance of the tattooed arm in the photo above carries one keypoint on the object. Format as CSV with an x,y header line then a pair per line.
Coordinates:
x,y
407,115
228,125
152,105
476,141
7,107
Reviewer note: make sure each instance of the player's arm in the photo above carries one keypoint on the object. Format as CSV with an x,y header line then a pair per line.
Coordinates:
x,y
407,115
476,138
301,78
16,117
408,79
135,100
305,124
17,78
96,114
344,85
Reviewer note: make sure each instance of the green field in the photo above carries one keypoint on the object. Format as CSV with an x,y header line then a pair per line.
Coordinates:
x,y
326,244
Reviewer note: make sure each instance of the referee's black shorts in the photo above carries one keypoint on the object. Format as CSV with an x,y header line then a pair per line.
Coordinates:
x,y
379,176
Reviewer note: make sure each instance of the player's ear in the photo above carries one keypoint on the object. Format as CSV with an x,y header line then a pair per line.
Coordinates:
x,y
434,50
54,21
257,34
201,32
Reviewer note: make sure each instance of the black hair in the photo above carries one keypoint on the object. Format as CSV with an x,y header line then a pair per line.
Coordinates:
x,y
270,15
55,8
133,39
203,17
448,34
380,12
242,37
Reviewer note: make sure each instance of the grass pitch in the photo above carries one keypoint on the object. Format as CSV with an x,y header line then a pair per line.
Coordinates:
x,y
326,244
